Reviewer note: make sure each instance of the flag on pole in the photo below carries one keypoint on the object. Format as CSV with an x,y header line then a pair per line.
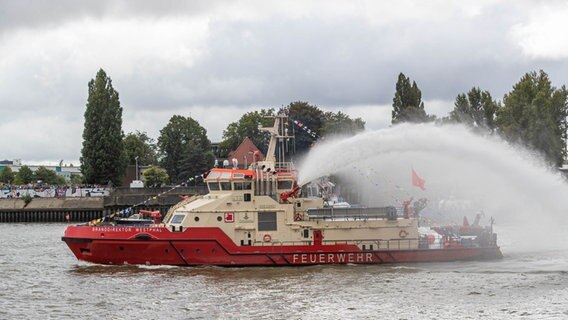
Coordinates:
x,y
417,181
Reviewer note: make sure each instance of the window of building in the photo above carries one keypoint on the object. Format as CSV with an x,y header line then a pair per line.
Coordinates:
x,y
267,221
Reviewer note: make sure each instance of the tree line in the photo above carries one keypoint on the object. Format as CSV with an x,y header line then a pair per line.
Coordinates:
x,y
533,114
183,151
26,176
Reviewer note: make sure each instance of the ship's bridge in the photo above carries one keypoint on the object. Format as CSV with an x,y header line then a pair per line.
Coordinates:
x,y
257,182
230,179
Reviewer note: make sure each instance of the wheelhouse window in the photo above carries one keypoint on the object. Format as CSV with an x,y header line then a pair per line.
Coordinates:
x,y
285,184
267,221
242,185
177,219
213,186
225,185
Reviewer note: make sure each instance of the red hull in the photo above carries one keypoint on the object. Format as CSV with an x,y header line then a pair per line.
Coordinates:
x,y
210,246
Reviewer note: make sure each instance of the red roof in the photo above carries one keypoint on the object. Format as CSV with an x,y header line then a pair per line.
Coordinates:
x,y
244,153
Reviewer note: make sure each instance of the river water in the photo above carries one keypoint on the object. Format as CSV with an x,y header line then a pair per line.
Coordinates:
x,y
41,279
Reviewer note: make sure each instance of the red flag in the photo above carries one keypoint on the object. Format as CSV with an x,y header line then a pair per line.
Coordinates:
x,y
417,181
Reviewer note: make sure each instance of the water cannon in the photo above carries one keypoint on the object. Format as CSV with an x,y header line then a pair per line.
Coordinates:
x,y
155,215
235,164
284,196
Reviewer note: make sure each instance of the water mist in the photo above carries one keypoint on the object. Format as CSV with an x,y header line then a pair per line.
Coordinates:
x,y
464,173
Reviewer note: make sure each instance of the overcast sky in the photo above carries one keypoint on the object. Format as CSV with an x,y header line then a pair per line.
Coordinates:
x,y
216,60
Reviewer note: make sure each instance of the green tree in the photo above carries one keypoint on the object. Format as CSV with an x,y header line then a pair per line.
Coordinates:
x,y
476,109
25,175
155,177
77,179
534,114
310,117
185,149
139,145
407,102
47,176
6,175
247,126
102,156
342,124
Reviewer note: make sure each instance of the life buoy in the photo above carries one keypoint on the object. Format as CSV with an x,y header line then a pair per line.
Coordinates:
x,y
267,238
298,216
402,233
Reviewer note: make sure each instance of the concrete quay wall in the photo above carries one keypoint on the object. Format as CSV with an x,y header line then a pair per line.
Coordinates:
x,y
88,208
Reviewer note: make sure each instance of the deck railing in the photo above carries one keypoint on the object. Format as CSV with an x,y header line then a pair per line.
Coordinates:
x,y
392,244
343,214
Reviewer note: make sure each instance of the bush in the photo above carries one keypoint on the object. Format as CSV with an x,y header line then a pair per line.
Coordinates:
x,y
27,199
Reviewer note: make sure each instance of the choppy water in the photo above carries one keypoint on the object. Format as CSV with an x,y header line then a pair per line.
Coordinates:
x,y
41,279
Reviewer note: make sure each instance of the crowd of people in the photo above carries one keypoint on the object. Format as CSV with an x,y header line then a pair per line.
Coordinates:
x,y
8,191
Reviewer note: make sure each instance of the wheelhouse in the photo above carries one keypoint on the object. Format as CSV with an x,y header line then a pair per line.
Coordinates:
x,y
222,180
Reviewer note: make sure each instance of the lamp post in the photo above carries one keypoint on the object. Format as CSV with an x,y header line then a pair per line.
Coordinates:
x,y
136,167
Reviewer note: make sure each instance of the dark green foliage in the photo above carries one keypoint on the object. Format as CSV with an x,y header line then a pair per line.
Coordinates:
x,y
320,123
185,149
312,117
102,156
247,126
534,114
155,177
407,102
27,199
6,175
476,109
25,175
47,176
139,145
77,179
341,124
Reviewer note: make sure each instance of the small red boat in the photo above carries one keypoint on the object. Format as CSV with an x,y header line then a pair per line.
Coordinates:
x,y
257,217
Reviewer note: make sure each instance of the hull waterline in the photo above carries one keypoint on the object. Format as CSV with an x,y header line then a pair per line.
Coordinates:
x,y
209,246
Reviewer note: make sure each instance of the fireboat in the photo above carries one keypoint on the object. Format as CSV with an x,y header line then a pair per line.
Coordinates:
x,y
258,216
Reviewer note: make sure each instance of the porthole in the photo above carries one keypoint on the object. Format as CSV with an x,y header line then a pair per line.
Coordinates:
x,y
219,218
196,219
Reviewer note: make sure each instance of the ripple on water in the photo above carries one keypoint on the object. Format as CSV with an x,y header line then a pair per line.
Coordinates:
x,y
45,275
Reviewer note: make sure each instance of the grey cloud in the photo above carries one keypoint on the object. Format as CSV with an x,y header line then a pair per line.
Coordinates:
x,y
268,62
42,14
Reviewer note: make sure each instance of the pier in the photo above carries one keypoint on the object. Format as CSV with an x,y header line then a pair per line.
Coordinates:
x,y
82,209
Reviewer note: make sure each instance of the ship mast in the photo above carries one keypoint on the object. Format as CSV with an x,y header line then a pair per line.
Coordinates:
x,y
277,133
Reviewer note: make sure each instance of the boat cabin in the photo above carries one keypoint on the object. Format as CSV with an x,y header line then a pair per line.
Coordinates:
x,y
250,182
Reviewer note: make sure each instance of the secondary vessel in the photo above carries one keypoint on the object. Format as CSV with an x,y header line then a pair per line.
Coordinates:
x,y
258,216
